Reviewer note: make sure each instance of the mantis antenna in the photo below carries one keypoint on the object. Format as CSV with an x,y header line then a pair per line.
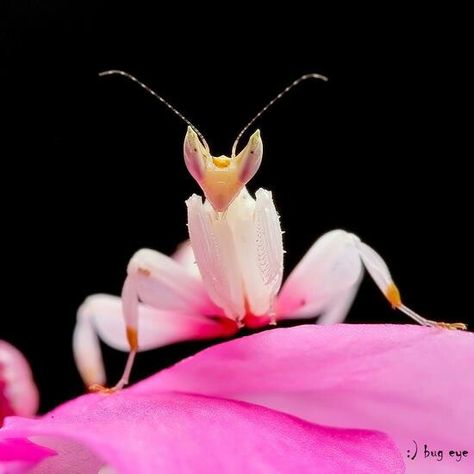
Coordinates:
x,y
156,96
278,97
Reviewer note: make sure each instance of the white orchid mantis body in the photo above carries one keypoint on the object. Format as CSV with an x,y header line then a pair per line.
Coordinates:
x,y
230,273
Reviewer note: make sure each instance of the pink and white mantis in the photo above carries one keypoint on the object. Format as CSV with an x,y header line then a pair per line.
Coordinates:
x,y
230,273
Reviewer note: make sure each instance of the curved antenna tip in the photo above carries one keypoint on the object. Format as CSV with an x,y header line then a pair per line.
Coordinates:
x,y
275,99
157,96
320,76
113,71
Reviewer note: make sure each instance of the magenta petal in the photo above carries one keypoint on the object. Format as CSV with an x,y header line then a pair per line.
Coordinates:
x,y
411,382
18,448
184,433
19,455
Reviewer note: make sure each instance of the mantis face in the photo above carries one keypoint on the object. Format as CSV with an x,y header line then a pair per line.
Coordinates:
x,y
222,178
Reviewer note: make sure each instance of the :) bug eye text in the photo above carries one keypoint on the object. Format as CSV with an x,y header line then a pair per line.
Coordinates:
x,y
429,453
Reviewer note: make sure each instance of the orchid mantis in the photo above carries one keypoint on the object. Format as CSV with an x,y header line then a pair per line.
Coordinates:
x,y
230,273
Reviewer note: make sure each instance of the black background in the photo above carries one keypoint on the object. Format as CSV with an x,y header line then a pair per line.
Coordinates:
x,y
92,169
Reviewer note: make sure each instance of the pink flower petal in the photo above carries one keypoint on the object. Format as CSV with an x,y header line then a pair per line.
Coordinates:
x,y
15,448
412,382
18,393
176,432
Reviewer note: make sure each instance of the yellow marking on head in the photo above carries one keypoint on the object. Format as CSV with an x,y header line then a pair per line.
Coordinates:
x,y
144,271
393,295
222,178
221,161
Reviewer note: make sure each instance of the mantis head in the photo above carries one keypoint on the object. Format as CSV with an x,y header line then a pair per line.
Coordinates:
x,y
220,177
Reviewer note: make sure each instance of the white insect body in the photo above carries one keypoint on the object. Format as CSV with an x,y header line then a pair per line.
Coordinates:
x,y
230,273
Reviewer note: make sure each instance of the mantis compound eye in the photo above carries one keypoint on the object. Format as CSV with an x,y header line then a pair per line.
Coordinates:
x,y
222,178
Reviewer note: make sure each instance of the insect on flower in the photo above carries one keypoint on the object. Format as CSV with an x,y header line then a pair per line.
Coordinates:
x,y
230,274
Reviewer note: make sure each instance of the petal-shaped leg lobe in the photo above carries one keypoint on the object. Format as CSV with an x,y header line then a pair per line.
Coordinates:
x,y
327,278
85,343
102,315
328,273
165,284
336,311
